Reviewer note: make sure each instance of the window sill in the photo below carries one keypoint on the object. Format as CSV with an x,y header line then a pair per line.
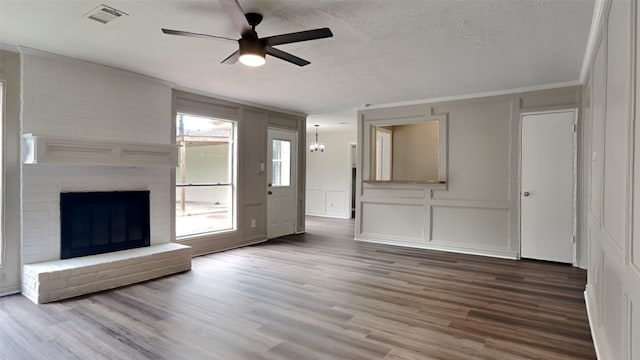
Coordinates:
x,y
404,184
207,235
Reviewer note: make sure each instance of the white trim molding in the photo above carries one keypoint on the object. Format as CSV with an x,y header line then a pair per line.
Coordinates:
x,y
595,335
597,22
56,150
476,95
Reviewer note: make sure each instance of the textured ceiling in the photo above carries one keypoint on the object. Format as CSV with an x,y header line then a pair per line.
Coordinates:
x,y
382,51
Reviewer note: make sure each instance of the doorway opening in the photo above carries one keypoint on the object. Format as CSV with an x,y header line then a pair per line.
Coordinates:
x,y
353,151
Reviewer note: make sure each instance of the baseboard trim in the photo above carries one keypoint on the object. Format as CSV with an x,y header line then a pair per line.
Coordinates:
x,y
234,246
329,216
594,336
9,291
490,253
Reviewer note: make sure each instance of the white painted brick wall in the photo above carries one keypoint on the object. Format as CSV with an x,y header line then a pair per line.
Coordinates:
x,y
68,97
72,98
41,198
60,279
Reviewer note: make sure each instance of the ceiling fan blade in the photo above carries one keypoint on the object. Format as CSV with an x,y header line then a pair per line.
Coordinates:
x,y
232,59
235,12
192,34
298,36
286,56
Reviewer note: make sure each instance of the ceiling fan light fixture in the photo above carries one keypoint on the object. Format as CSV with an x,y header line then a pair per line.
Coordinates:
x,y
252,60
253,49
252,52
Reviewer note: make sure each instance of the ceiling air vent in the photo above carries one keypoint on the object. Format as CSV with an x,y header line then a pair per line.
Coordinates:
x,y
104,14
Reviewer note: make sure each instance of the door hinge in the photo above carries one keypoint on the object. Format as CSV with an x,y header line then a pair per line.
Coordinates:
x,y
575,127
574,239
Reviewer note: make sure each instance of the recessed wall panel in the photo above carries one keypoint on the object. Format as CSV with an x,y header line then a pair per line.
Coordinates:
x,y
481,228
634,330
597,138
479,151
635,241
253,221
395,221
253,142
617,121
395,192
335,203
315,201
613,309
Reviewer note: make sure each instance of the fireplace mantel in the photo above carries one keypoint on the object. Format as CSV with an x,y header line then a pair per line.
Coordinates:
x,y
58,150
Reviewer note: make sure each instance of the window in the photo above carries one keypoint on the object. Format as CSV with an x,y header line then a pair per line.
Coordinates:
x,y
281,163
205,178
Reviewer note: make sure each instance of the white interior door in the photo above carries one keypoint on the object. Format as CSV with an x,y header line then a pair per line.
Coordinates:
x,y
384,146
281,186
547,186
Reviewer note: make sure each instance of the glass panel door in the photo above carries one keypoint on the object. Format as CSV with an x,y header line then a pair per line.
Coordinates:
x,y
281,186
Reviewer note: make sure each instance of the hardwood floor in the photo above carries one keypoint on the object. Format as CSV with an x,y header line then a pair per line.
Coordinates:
x,y
317,296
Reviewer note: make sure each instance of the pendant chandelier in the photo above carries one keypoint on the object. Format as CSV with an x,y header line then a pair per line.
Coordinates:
x,y
316,146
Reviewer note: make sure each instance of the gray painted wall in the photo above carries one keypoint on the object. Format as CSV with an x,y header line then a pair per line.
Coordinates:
x,y
477,211
252,125
415,151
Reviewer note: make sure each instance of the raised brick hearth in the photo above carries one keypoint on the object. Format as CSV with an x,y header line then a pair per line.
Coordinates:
x,y
60,279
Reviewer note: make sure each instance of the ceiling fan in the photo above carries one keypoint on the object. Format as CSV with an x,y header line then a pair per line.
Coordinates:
x,y
252,49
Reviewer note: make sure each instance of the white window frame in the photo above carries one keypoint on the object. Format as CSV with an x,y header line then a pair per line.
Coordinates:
x,y
233,182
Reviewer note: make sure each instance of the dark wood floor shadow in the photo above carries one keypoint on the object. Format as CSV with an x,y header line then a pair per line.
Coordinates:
x,y
318,295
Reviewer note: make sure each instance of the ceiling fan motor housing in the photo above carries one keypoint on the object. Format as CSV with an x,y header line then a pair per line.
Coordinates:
x,y
252,46
252,49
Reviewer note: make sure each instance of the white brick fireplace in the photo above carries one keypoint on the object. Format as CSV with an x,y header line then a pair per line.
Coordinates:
x,y
84,103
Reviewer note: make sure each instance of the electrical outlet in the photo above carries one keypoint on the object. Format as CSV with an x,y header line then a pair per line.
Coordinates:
x,y
253,223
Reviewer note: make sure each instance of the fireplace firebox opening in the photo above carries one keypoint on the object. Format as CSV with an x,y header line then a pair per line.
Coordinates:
x,y
101,222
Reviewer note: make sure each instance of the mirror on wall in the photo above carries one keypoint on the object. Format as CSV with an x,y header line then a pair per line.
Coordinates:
x,y
409,152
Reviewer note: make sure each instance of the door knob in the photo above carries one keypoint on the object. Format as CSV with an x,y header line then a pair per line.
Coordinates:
x,y
526,193
269,192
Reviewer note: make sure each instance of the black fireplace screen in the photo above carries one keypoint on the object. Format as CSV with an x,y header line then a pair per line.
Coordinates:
x,y
100,222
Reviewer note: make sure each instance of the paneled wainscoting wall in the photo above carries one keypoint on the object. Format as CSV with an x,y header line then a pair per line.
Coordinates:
x,y
477,210
611,158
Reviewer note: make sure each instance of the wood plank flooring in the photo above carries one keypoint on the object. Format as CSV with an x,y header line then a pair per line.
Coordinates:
x,y
318,296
